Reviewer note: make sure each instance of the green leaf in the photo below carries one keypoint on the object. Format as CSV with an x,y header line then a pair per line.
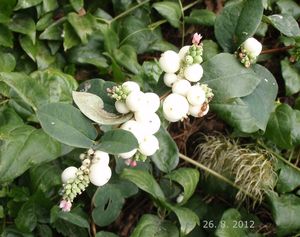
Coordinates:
x,y
28,47
187,218
152,226
188,178
82,25
288,179
167,157
24,25
22,146
6,36
73,217
283,127
126,56
289,7
169,10
105,234
77,4
22,4
44,230
44,21
286,213
6,7
7,62
286,24
92,106
210,49
110,37
117,141
53,31
66,124
91,53
144,181
49,5
201,17
226,227
238,21
70,37
291,76
27,220
228,78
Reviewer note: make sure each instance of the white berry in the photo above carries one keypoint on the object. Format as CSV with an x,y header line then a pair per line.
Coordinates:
x,y
175,107
135,128
193,73
196,95
121,107
131,86
152,102
99,174
149,145
150,122
252,46
129,154
183,51
135,101
68,174
195,110
101,157
181,87
169,61
170,79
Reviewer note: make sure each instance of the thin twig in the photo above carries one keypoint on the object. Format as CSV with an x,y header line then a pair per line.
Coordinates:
x,y
277,50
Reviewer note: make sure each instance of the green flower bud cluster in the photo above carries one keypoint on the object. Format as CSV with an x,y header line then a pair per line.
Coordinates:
x,y
140,157
194,55
76,186
119,93
245,57
208,93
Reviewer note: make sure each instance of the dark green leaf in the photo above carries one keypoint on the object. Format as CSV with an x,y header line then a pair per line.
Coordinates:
x,y
22,4
27,220
144,181
201,17
289,7
210,49
6,36
77,4
44,230
286,213
110,37
53,31
49,5
167,157
288,179
28,46
66,124
228,78
105,234
7,62
152,226
286,24
117,141
188,178
6,7
24,25
70,37
291,76
169,10
237,22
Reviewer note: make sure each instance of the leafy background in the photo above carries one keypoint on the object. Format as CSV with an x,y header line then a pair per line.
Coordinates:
x,y
49,48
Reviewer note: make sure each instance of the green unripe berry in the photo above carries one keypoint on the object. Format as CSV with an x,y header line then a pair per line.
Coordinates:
x,y
193,53
189,59
198,59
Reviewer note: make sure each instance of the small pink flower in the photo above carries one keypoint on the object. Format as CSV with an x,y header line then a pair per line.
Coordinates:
x,y
65,205
131,162
196,38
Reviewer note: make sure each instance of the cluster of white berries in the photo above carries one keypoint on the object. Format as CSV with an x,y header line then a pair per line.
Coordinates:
x,y
145,122
94,168
248,51
183,73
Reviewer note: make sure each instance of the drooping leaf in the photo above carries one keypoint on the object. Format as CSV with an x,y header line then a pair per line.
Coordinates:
x,y
92,106
167,157
288,179
53,31
110,37
291,76
152,226
238,21
66,124
169,10
28,46
6,36
117,141
286,24
50,5
70,37
22,4
24,25
188,178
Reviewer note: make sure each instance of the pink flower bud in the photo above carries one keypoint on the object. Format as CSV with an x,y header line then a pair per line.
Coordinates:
x,y
133,163
65,205
196,38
